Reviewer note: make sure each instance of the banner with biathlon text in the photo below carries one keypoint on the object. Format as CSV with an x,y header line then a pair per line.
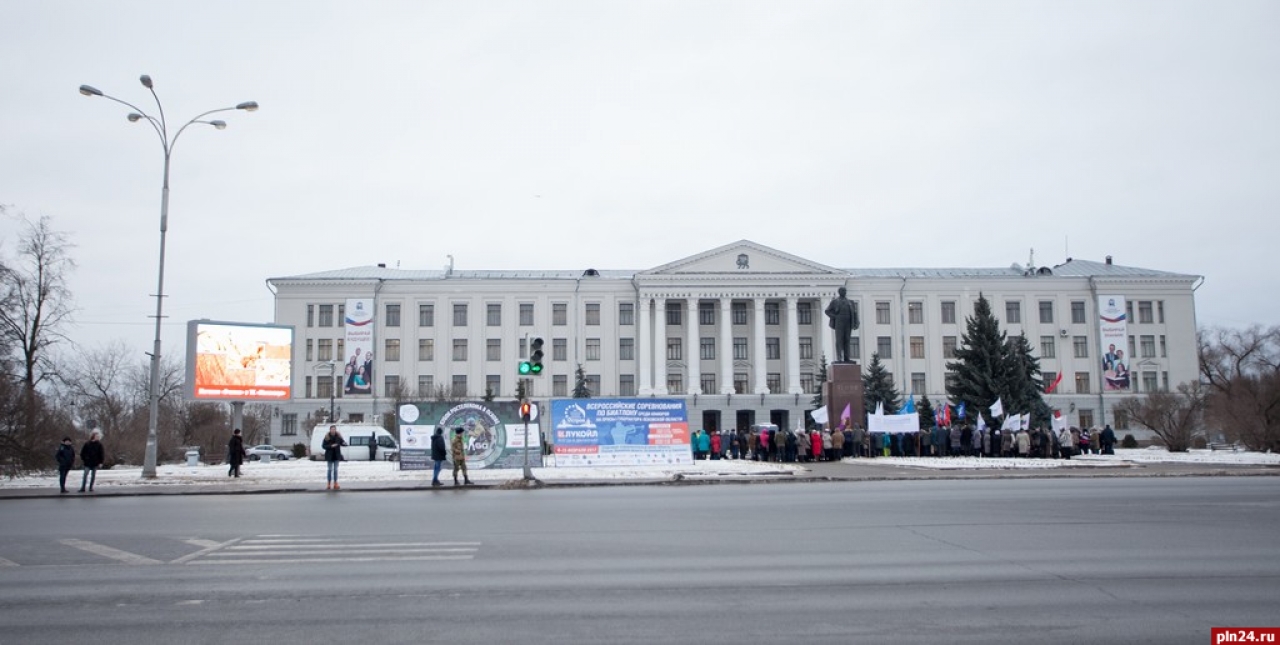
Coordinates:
x,y
620,432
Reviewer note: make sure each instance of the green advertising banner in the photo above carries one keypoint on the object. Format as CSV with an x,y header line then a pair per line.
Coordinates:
x,y
493,433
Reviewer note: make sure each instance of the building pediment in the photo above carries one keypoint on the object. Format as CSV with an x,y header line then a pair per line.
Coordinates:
x,y
742,258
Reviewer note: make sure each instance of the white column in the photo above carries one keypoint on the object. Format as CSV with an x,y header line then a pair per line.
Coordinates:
x,y
726,345
644,349
758,357
828,335
793,346
693,384
660,346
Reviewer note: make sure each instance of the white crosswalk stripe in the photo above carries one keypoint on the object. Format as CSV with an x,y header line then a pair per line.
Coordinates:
x,y
278,549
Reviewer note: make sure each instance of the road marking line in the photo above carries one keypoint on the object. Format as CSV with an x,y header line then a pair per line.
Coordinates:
x,y
205,551
204,544
311,552
8,563
316,560
289,540
245,546
108,552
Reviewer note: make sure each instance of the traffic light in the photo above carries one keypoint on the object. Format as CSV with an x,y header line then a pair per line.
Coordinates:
x,y
533,366
535,356
526,409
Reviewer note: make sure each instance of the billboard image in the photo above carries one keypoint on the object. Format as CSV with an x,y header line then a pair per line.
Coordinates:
x,y
620,432
229,361
358,367
493,433
1113,332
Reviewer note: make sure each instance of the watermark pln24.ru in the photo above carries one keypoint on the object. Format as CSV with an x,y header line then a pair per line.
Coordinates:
x,y
1222,635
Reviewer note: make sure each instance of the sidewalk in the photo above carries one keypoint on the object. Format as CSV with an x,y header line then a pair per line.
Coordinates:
x,y
305,476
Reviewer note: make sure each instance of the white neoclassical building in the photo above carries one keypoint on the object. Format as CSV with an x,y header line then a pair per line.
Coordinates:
x,y
737,331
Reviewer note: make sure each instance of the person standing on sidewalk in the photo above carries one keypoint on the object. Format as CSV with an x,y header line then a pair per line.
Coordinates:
x,y
439,453
235,453
66,457
373,447
332,445
91,456
458,448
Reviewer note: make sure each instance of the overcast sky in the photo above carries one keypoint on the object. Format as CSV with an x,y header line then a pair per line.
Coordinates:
x,y
631,134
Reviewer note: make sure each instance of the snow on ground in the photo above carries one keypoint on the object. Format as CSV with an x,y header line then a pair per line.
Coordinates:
x,y
296,472
303,472
1123,457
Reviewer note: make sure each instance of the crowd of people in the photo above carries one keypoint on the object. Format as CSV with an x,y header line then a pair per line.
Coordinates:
x,y
770,443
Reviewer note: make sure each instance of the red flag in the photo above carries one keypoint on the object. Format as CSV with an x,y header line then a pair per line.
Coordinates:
x,y
946,414
1054,385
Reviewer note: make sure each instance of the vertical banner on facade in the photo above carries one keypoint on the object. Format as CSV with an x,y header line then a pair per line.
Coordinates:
x,y
1113,332
492,433
358,372
620,432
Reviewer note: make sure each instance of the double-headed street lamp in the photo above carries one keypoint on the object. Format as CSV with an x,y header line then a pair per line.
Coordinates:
x,y
167,143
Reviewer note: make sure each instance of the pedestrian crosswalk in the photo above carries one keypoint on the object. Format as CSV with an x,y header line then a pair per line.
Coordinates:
x,y
255,550
277,549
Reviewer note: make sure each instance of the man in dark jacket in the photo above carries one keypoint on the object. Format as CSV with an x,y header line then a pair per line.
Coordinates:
x,y
1108,441
92,456
235,453
66,457
439,453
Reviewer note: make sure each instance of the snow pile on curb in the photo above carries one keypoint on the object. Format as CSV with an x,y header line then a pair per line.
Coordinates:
x,y
1122,458
302,472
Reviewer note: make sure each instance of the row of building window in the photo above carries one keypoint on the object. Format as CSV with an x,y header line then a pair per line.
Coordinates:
x,y
1149,312
326,387
323,315
323,349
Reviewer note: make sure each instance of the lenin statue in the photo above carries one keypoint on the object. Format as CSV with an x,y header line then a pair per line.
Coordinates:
x,y
843,317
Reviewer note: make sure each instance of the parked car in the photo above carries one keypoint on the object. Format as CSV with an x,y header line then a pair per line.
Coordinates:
x,y
258,453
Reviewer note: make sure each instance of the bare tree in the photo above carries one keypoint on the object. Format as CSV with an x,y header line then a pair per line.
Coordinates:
x,y
1242,370
35,307
399,395
36,300
97,379
1174,417
447,394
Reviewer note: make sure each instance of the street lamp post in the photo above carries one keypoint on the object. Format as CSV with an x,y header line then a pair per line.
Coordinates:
x,y
333,371
160,125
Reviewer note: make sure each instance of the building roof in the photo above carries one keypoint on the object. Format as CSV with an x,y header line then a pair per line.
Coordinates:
x,y
1071,268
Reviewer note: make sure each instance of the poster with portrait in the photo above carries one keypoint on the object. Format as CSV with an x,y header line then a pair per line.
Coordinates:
x,y
357,364
1113,332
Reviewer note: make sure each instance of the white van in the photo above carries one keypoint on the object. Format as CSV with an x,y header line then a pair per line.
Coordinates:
x,y
357,437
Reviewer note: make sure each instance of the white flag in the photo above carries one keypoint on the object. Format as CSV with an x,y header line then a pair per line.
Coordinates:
x,y
880,408
1025,421
820,415
1011,423
982,424
997,408
1059,422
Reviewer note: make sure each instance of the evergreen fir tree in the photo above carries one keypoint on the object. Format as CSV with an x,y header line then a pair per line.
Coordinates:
x,y
580,389
925,410
977,376
819,382
877,387
1024,387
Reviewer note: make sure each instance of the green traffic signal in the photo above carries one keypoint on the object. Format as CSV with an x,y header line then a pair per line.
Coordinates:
x,y
535,356
526,367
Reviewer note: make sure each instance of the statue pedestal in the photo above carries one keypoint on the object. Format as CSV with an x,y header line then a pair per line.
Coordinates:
x,y
844,387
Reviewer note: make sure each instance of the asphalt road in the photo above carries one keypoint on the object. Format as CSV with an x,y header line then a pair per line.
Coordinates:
x,y
1151,560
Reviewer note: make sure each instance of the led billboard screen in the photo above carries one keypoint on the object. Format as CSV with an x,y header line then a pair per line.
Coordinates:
x,y
229,361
